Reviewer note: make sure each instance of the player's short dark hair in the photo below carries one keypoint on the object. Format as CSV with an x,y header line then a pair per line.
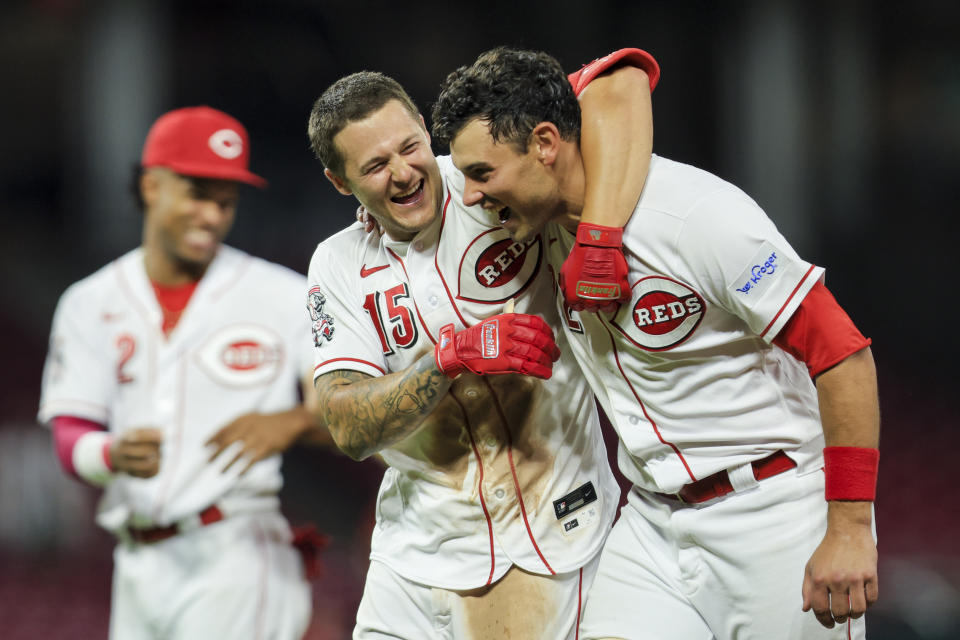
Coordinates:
x,y
513,91
347,100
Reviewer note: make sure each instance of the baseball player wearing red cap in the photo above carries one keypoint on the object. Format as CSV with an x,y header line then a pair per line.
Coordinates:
x,y
498,495
172,382
743,395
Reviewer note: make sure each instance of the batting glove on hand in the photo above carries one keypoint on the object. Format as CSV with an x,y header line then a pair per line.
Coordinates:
x,y
594,275
505,343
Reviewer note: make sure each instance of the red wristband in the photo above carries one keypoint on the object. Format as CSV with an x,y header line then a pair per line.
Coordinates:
x,y
851,473
596,235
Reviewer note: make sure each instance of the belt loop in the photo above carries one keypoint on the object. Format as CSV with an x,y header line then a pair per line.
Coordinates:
x,y
742,478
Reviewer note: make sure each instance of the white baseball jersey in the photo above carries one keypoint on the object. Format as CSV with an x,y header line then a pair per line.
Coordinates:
x,y
508,469
241,345
686,370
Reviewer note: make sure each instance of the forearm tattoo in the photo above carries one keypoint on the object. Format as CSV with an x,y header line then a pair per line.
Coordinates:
x,y
368,414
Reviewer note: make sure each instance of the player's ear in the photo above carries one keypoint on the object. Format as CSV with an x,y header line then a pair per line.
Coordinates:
x,y
149,187
338,183
545,141
423,123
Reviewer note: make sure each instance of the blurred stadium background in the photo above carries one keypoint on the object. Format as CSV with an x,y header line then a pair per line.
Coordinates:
x,y
841,118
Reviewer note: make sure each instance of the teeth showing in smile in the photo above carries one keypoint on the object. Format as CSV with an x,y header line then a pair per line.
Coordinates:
x,y
199,237
503,214
408,195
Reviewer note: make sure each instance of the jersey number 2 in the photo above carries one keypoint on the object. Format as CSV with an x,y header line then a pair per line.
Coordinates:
x,y
126,345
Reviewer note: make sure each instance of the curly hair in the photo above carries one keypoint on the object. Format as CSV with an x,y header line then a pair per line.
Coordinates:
x,y
347,100
513,91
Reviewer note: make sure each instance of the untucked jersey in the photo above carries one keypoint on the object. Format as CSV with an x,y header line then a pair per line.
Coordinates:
x,y
508,469
241,345
686,370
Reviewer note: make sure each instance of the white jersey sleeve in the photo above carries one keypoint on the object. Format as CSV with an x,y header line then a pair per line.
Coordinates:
x,y
343,335
742,262
289,286
78,380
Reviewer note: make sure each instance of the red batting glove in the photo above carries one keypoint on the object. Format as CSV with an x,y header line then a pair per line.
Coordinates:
x,y
506,343
594,275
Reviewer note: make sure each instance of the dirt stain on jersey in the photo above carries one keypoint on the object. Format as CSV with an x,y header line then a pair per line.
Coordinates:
x,y
520,606
513,413
441,443
493,417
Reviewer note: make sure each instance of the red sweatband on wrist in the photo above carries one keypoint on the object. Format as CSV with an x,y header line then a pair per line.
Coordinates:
x,y
851,473
596,235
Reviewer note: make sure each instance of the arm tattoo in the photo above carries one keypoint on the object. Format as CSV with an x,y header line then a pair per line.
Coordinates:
x,y
367,414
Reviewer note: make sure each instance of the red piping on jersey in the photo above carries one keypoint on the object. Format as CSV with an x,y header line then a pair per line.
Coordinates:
x,y
513,471
443,221
656,430
412,299
483,503
579,604
789,298
178,441
326,362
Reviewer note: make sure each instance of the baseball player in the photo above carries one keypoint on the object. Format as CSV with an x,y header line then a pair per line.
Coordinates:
x,y
172,382
726,374
497,497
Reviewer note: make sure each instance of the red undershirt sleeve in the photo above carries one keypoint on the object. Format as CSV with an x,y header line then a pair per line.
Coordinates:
x,y
820,333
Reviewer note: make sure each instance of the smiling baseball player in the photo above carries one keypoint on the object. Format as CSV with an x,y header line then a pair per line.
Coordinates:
x,y
172,381
498,495
725,375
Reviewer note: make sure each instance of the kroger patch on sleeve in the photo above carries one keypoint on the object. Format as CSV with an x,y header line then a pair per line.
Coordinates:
x,y
771,286
767,266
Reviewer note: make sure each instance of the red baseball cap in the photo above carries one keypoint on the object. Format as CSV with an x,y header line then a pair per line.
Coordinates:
x,y
201,142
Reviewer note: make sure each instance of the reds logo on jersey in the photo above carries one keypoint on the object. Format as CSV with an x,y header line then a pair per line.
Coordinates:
x,y
661,314
495,268
322,325
242,355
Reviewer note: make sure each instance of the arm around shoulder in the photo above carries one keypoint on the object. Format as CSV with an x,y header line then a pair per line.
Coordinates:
x,y
616,142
